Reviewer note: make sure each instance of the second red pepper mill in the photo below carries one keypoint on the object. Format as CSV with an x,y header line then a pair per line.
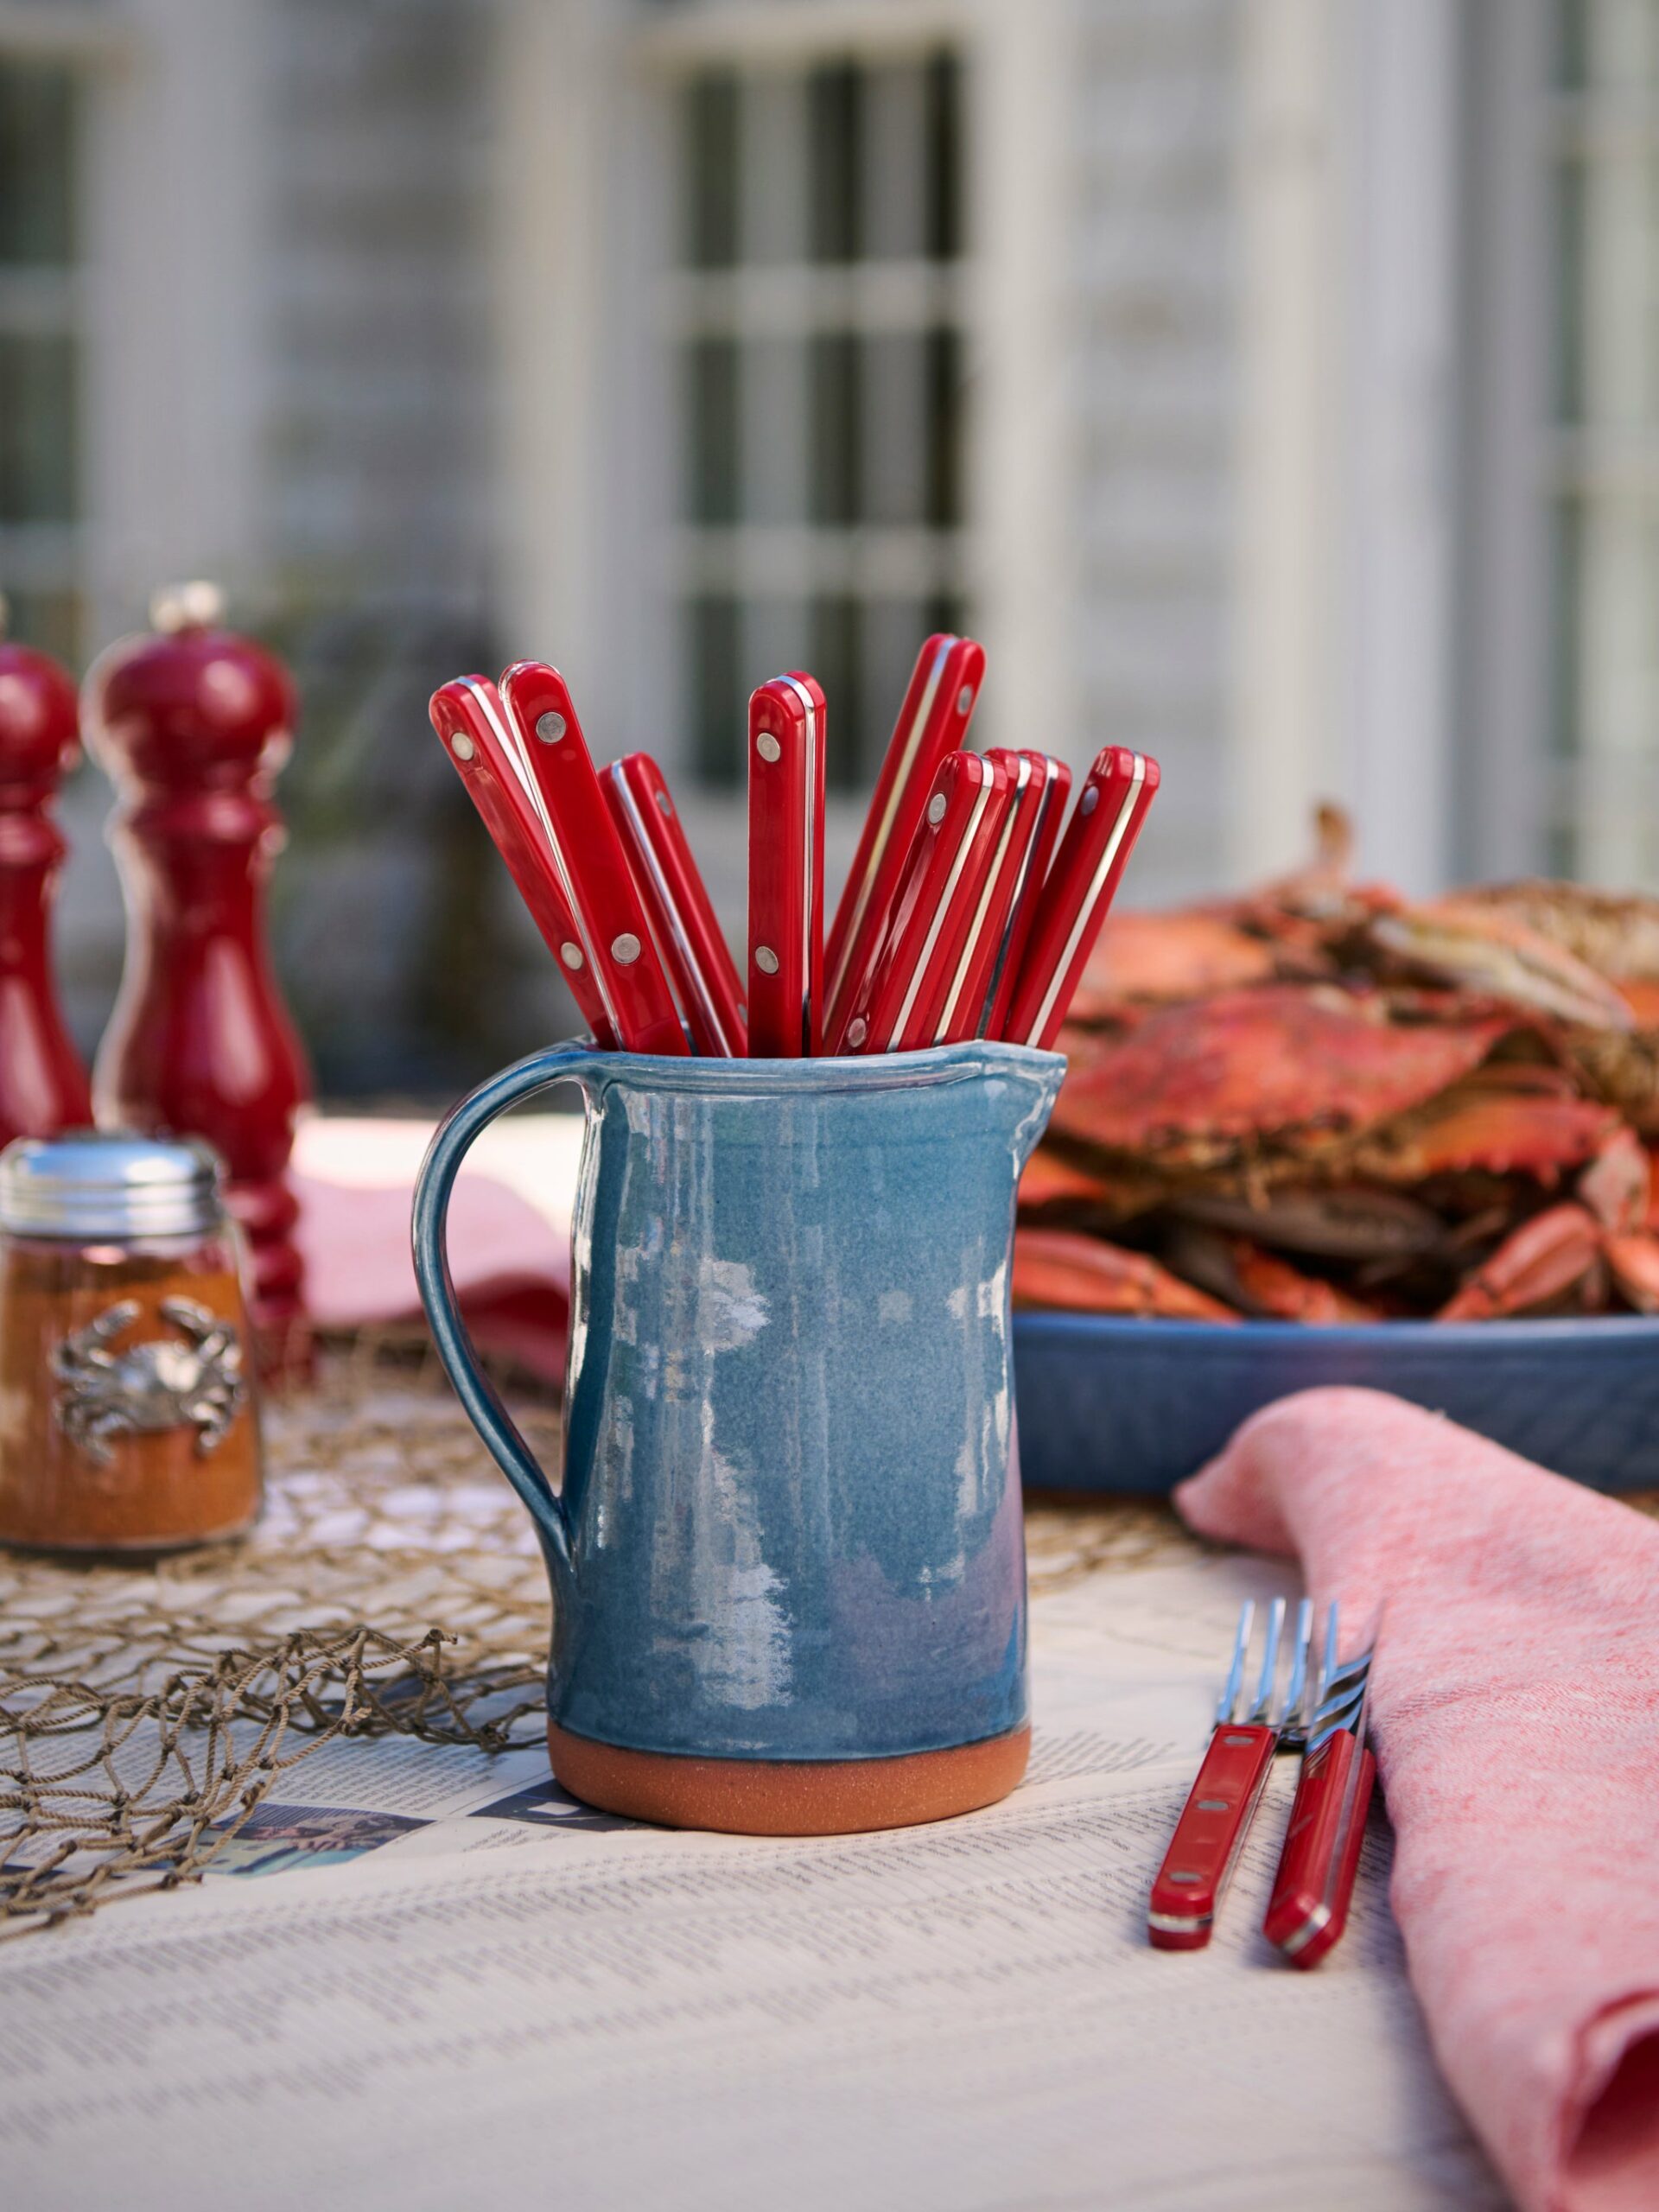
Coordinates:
x,y
193,724
42,1082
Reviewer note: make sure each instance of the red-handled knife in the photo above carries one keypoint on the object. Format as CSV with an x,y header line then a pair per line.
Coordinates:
x,y
965,1012
1044,798
1081,885
592,866
469,717
785,867
923,963
938,706
694,952
1319,1859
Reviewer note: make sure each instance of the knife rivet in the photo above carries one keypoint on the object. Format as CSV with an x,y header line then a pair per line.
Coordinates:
x,y
765,960
625,948
1089,800
935,809
767,746
571,955
549,727
857,1030
462,746
1212,1804
964,698
662,801
1185,1877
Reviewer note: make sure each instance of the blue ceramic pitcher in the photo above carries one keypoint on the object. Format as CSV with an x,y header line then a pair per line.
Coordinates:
x,y
788,1558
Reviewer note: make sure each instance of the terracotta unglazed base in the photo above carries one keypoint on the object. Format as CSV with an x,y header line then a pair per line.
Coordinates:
x,y
788,1796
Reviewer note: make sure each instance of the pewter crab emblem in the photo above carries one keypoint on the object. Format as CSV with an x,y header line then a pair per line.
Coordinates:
x,y
150,1386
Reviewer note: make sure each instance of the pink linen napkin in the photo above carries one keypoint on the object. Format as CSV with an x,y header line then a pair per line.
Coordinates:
x,y
355,1182
1514,1704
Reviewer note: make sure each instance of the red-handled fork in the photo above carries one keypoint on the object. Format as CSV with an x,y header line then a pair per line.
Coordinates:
x,y
1204,1848
1319,1858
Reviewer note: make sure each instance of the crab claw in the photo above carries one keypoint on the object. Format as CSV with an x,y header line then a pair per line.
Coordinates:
x,y
1049,1181
1482,949
1537,1265
1259,1281
1634,1261
1057,1268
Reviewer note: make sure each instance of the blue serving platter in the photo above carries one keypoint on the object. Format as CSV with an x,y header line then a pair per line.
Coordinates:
x,y
1134,1407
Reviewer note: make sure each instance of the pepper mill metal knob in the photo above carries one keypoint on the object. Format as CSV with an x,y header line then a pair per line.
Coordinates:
x,y
193,724
42,1082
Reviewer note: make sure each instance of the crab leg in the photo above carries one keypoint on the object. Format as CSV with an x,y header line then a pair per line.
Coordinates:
x,y
1535,1265
1056,1267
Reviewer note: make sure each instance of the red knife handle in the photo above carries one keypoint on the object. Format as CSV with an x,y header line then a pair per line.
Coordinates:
x,y
938,705
1187,1894
787,726
1314,1885
1081,886
901,1008
587,853
1050,789
968,1001
689,938
469,717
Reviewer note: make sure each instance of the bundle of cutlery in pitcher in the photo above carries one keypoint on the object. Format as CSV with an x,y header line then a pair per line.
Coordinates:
x,y
1321,1713
968,913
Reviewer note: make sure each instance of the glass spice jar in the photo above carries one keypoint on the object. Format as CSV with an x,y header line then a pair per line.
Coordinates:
x,y
128,1420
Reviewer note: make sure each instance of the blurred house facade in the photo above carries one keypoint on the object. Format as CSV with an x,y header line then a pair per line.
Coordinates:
x,y
1271,384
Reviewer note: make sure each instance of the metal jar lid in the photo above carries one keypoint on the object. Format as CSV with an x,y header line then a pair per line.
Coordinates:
x,y
89,1184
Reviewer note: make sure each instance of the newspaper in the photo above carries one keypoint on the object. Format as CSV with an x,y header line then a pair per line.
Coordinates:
x,y
432,1982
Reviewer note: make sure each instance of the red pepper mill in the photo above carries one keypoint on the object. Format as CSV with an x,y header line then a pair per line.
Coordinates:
x,y
42,1082
193,724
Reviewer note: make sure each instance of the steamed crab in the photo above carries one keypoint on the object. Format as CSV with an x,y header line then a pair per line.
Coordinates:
x,y
1439,1114
150,1387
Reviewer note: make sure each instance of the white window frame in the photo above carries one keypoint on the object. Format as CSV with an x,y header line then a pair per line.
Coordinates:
x,y
585,468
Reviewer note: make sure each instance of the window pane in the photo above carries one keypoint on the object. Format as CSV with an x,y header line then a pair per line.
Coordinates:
x,y
714,165
835,137
37,429
1606,45
944,429
776,433
37,162
713,456
718,694
835,410
775,222
944,210
895,164
1569,322
897,434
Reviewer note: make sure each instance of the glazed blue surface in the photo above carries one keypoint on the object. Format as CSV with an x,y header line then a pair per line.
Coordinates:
x,y
1112,1404
788,1525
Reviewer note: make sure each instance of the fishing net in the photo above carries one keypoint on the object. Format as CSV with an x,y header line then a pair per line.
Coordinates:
x,y
393,1587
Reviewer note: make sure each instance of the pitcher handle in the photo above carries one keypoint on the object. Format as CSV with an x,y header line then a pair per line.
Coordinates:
x,y
454,1139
